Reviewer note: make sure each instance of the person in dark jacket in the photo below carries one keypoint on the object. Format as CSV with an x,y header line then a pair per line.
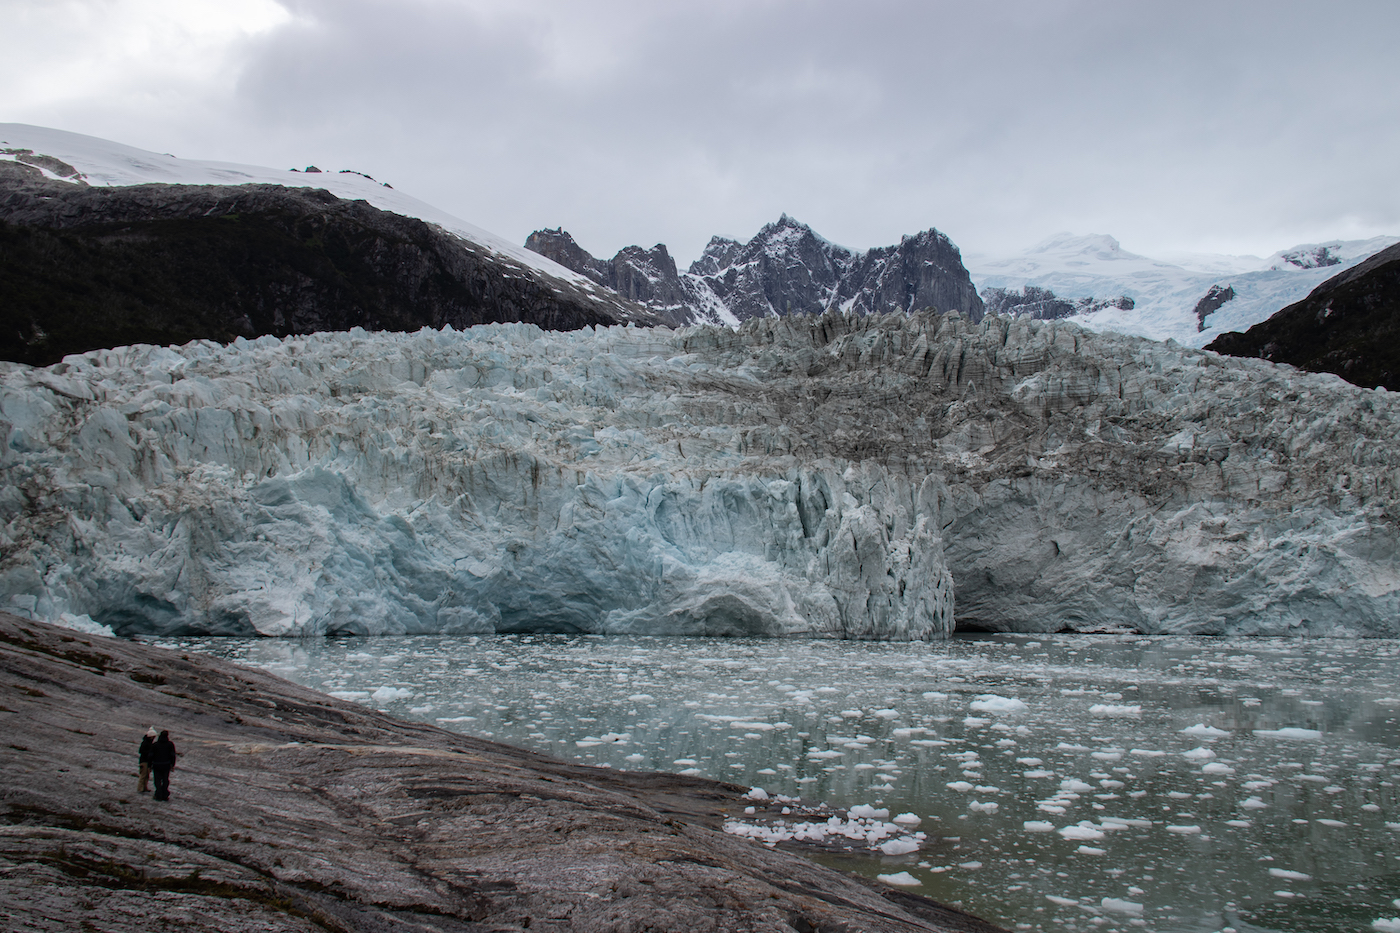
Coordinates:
x,y
143,759
162,760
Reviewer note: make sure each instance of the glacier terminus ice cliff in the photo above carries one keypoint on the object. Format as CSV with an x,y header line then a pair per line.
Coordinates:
x,y
873,477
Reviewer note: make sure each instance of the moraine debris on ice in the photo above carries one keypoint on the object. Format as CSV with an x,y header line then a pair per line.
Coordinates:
x,y
832,475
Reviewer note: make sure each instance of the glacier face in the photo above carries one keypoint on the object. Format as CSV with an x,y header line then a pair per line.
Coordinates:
x,y
830,475
502,479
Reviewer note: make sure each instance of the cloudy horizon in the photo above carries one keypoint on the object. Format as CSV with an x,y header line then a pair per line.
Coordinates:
x,y
1236,128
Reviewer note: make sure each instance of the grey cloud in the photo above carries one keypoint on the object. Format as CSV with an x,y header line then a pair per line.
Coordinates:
x,y
1182,125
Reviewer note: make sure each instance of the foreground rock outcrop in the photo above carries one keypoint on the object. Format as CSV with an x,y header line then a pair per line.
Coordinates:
x,y
837,475
83,268
1348,325
294,811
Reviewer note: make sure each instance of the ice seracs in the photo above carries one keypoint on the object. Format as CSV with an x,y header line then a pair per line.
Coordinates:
x,y
836,475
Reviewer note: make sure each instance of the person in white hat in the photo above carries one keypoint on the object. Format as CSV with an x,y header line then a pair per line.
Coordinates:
x,y
143,758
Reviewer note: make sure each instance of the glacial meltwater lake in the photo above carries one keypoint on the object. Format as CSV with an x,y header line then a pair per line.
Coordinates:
x,y
1063,782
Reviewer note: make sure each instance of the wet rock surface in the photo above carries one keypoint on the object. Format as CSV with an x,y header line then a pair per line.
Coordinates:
x,y
293,811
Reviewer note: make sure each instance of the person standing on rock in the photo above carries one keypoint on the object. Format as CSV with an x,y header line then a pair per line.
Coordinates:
x,y
143,759
162,760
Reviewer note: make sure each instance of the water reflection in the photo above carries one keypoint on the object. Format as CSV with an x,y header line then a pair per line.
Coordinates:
x,y
1065,782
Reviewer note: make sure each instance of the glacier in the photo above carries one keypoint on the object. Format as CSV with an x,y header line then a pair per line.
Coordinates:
x,y
835,475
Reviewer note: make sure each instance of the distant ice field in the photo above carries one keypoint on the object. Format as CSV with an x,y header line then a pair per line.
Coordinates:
x,y
1061,783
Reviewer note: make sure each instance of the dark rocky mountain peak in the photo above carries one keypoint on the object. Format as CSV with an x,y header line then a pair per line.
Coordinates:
x,y
720,253
786,268
1212,302
1314,258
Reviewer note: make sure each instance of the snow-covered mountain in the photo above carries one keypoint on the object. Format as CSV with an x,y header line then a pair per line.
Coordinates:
x,y
786,268
836,475
77,160
1165,293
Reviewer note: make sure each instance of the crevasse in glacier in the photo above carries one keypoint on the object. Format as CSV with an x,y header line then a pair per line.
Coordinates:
x,y
828,475
502,479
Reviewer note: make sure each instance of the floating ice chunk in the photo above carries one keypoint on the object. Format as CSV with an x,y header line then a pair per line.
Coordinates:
x,y
1111,709
1386,925
1038,826
1106,755
1083,830
1184,830
1038,774
640,697
1290,875
1090,850
694,771
685,761
970,865
820,754
864,811
1118,905
1216,767
1301,735
887,713
360,695
1335,824
1203,731
961,787
1061,901
989,807
757,793
1239,824
1199,753
974,721
900,878
901,846
935,695
1371,807
1030,762
1074,785
1067,747
908,819
635,758
991,703
386,693
1253,803
1146,753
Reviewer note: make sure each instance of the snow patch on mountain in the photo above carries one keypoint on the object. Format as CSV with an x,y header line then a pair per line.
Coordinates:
x,y
1166,293
102,162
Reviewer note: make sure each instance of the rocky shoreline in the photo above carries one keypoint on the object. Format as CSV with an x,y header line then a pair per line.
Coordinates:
x,y
295,811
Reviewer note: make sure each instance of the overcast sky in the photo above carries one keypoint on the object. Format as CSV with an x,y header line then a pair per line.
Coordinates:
x,y
1221,126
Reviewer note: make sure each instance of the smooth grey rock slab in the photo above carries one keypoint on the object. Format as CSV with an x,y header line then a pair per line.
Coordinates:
x,y
294,811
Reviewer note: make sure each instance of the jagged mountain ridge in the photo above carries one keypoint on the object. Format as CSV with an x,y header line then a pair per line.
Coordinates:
x,y
786,268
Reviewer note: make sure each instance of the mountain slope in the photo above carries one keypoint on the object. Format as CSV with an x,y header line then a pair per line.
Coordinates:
x,y
97,256
1348,325
787,268
1165,294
